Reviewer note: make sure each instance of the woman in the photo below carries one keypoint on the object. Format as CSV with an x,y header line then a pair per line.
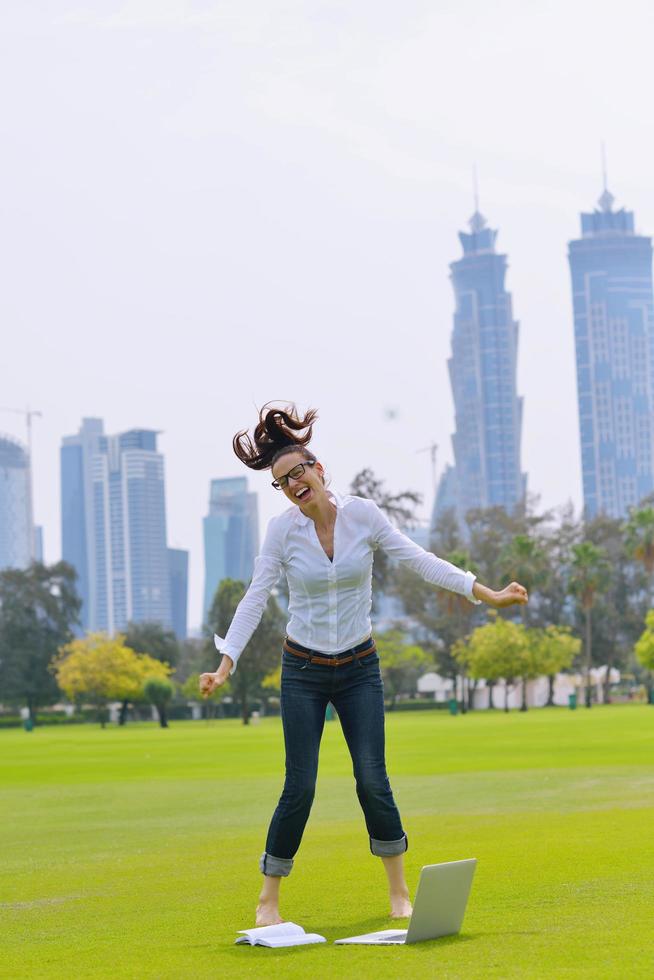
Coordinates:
x,y
324,544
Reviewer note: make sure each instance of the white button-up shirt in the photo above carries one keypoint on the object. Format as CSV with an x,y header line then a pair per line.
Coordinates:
x,y
330,601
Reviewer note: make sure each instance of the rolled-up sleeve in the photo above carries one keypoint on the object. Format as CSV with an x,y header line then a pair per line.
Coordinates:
x,y
267,569
430,567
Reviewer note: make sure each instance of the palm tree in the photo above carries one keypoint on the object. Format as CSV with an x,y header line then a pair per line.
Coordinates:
x,y
589,574
525,560
459,613
640,541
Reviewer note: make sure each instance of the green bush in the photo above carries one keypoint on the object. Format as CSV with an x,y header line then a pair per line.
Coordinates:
x,y
418,706
50,718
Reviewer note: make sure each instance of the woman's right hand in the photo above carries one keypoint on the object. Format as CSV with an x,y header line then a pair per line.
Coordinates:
x,y
210,682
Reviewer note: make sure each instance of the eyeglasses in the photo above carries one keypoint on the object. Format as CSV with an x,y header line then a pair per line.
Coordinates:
x,y
293,474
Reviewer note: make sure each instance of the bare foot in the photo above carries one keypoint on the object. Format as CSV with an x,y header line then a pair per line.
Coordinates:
x,y
267,915
401,906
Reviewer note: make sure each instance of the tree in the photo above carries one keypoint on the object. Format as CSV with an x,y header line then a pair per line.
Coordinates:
x,y
446,533
261,653
155,640
39,607
273,680
554,602
398,507
195,657
401,663
442,617
525,561
99,669
645,651
554,649
500,649
491,540
271,687
589,575
554,605
159,691
191,689
639,533
490,532
618,619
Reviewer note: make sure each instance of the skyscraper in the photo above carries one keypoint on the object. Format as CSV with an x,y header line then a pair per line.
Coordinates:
x,y
482,368
231,535
178,570
114,526
77,523
611,268
446,498
16,531
38,543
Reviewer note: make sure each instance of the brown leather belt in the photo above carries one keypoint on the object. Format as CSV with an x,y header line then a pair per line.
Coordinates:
x,y
291,647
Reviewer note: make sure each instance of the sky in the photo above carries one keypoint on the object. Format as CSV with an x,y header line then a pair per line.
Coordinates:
x,y
208,205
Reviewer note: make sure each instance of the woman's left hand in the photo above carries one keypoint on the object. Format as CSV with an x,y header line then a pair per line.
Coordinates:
x,y
514,594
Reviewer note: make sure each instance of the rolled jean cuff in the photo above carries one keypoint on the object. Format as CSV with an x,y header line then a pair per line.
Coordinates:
x,y
275,867
389,848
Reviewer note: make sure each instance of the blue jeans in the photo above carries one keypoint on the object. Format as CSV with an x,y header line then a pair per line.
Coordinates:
x,y
357,693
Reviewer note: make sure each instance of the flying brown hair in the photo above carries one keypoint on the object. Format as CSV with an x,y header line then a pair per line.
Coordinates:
x,y
278,431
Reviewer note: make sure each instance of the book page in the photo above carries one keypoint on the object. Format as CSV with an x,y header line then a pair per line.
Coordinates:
x,y
303,940
265,932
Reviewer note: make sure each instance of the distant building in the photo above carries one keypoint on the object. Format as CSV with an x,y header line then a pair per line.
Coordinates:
x,y
114,526
16,531
78,540
446,498
178,570
482,368
419,533
231,535
611,268
38,543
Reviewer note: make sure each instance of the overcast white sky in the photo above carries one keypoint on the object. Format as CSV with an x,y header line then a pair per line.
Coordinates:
x,y
208,205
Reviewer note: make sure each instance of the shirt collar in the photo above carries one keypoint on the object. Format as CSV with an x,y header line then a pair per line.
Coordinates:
x,y
332,494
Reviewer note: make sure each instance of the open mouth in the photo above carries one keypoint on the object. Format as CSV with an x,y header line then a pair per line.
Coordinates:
x,y
302,493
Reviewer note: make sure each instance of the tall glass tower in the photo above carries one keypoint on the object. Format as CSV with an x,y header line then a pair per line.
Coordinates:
x,y
482,368
611,269
77,537
231,535
15,505
114,526
178,570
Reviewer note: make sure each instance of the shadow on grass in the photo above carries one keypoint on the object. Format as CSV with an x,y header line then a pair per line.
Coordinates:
x,y
357,929
372,925
465,937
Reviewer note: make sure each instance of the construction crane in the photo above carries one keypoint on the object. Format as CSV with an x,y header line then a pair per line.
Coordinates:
x,y
29,414
432,450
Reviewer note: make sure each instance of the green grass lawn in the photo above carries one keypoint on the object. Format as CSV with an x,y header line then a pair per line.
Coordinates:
x,y
133,852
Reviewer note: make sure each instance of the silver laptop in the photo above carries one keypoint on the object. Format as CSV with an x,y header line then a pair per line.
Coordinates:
x,y
438,910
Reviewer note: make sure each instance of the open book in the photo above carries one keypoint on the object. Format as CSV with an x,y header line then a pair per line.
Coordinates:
x,y
283,934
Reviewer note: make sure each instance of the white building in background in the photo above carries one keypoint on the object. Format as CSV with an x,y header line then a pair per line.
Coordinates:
x,y
537,690
16,530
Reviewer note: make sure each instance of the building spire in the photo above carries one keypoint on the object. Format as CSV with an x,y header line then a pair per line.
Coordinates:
x,y
477,222
606,198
